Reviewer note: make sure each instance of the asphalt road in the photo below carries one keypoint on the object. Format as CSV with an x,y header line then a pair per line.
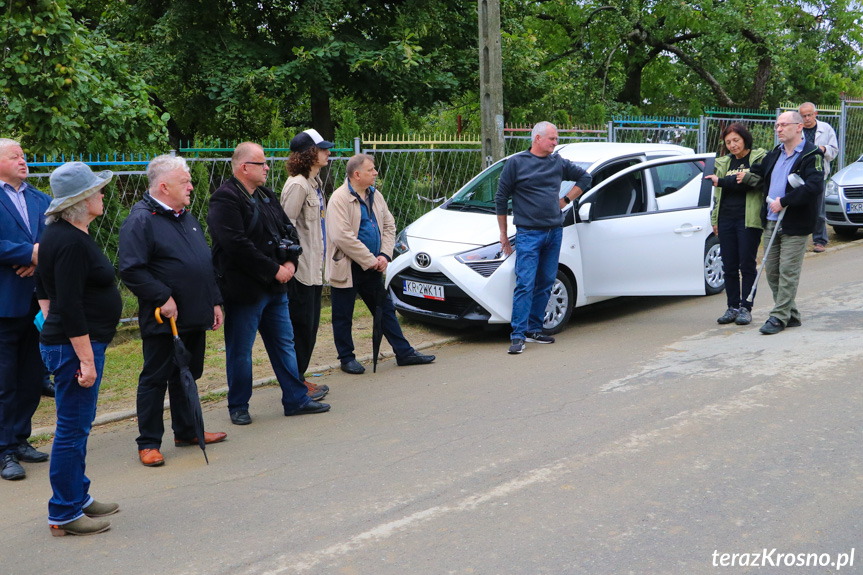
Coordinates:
x,y
647,440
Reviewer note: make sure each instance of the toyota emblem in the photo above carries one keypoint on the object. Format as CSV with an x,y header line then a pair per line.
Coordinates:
x,y
423,260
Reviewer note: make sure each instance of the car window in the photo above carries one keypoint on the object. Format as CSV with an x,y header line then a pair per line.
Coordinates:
x,y
672,177
678,185
608,170
622,196
478,195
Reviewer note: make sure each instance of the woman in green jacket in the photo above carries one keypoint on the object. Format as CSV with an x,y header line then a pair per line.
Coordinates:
x,y
736,219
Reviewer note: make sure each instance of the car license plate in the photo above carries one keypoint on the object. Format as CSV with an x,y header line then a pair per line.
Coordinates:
x,y
423,290
854,208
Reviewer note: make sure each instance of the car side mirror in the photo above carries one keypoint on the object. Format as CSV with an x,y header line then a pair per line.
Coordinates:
x,y
584,211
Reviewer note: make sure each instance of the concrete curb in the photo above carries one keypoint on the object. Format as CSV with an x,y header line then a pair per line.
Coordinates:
x,y
132,413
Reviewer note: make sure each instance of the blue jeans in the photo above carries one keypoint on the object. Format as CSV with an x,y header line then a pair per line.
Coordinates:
x,y
739,247
369,285
536,256
76,410
269,316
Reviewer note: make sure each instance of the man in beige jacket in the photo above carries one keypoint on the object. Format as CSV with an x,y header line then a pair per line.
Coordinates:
x,y
361,233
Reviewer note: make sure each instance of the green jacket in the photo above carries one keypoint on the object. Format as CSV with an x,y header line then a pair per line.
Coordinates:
x,y
754,197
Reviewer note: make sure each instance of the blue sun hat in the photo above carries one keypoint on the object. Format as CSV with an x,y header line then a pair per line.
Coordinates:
x,y
74,182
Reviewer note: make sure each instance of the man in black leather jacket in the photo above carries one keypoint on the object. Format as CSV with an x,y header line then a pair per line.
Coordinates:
x,y
253,264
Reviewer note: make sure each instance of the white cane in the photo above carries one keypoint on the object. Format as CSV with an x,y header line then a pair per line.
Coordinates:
x,y
795,181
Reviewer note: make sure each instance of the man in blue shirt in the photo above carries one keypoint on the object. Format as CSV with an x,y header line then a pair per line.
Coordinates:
x,y
361,232
784,262
22,220
533,179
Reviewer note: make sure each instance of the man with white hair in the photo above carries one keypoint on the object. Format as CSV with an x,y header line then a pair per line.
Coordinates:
x,y
532,179
165,261
22,220
824,137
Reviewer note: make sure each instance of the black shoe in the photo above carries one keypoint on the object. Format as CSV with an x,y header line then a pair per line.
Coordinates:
x,y
538,337
241,417
353,367
744,317
10,468
26,452
416,358
310,407
47,386
771,326
728,317
794,322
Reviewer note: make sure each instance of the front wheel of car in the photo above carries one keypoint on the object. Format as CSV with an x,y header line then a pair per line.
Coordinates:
x,y
714,276
846,232
560,304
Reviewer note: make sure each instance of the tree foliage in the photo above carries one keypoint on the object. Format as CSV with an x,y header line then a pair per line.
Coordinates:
x,y
242,62
68,88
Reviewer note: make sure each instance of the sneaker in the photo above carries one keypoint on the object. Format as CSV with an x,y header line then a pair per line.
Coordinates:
x,y
744,317
538,337
728,317
517,346
314,389
794,322
819,248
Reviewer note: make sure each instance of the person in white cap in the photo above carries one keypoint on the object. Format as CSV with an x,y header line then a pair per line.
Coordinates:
x,y
305,203
77,290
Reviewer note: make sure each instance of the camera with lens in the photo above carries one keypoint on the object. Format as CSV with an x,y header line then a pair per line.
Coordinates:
x,y
288,248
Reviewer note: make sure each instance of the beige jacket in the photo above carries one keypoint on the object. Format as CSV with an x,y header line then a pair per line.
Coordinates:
x,y
301,203
343,245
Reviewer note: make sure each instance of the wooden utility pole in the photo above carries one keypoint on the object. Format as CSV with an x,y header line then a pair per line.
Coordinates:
x,y
490,81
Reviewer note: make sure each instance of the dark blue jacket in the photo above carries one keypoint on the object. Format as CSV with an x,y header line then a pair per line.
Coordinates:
x,y
163,256
16,249
802,202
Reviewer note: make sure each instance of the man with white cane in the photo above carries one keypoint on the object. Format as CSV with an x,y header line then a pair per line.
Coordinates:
x,y
784,259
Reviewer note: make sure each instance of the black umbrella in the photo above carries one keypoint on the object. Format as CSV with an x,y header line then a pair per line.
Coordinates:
x,y
182,357
377,323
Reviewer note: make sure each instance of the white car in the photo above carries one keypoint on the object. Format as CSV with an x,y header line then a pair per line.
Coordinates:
x,y
843,199
643,228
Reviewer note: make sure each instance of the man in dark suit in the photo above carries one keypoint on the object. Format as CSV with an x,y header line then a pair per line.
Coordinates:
x,y
22,220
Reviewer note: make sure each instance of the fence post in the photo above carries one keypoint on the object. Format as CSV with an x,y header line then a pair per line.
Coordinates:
x,y
702,134
775,133
173,153
611,130
356,145
842,125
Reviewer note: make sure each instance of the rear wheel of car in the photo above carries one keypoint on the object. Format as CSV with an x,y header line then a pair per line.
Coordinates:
x,y
845,231
560,304
714,276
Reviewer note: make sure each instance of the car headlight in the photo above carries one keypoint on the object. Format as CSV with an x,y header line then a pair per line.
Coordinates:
x,y
485,260
832,189
402,246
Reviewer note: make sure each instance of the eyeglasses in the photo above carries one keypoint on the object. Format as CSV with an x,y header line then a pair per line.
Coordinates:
x,y
256,163
783,124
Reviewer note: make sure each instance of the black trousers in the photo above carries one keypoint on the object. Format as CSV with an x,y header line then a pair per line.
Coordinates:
x,y
159,374
304,305
21,373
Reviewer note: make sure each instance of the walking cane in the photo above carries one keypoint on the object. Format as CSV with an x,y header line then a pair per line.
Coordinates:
x,y
795,181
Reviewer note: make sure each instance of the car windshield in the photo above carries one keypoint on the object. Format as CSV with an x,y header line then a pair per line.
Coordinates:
x,y
478,195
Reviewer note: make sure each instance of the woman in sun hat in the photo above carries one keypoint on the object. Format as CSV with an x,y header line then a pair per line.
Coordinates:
x,y
78,294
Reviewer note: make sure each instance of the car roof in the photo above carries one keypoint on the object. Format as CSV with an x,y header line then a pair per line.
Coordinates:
x,y
592,152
